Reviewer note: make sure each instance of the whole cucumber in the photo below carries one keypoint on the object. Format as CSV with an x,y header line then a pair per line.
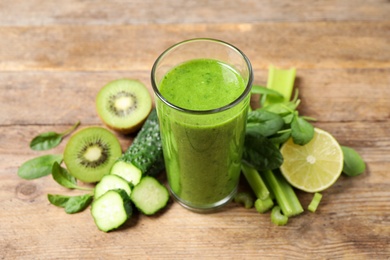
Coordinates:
x,y
145,152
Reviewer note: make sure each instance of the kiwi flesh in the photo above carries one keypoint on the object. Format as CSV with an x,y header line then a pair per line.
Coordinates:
x,y
123,105
91,152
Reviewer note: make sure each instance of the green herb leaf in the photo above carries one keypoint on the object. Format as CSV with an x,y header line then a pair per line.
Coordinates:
x,y
281,137
62,177
78,203
71,204
285,110
256,89
281,109
301,131
49,140
260,152
264,122
58,200
39,166
353,163
45,141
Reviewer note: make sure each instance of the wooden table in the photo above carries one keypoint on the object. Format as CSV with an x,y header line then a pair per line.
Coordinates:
x,y
56,55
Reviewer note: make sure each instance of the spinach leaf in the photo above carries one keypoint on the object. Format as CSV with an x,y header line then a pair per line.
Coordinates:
x,y
39,166
78,203
260,152
45,141
71,204
65,179
257,89
285,110
62,177
48,140
280,137
264,122
58,200
301,131
353,163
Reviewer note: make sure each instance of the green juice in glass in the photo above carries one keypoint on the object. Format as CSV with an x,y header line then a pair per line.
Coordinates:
x,y
202,151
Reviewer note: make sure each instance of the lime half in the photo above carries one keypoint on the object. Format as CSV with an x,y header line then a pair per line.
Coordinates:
x,y
315,166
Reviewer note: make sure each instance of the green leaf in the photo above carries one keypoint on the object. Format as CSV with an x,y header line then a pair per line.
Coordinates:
x,y
39,166
280,138
58,200
285,110
71,204
353,163
45,141
62,177
260,152
49,140
256,89
281,109
78,203
264,122
301,131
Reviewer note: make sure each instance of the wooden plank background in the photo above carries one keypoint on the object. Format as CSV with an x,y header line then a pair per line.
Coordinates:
x,y
55,56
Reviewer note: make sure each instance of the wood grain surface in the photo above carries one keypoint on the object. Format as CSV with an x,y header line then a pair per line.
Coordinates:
x,y
56,55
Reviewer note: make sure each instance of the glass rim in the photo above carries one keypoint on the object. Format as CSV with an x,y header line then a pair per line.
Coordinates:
x,y
209,111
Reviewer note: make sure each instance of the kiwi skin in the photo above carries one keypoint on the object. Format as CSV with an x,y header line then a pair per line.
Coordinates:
x,y
91,170
131,119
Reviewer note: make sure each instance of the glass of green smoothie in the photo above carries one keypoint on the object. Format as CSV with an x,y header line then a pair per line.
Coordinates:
x,y
202,88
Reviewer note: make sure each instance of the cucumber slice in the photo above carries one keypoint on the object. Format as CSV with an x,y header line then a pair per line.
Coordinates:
x,y
111,210
127,171
111,182
149,196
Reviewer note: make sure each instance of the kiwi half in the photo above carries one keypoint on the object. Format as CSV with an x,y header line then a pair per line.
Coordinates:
x,y
90,153
123,105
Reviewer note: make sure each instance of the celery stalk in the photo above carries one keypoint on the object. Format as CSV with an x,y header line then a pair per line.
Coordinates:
x,y
277,217
281,81
315,202
255,181
264,200
245,199
284,194
263,206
